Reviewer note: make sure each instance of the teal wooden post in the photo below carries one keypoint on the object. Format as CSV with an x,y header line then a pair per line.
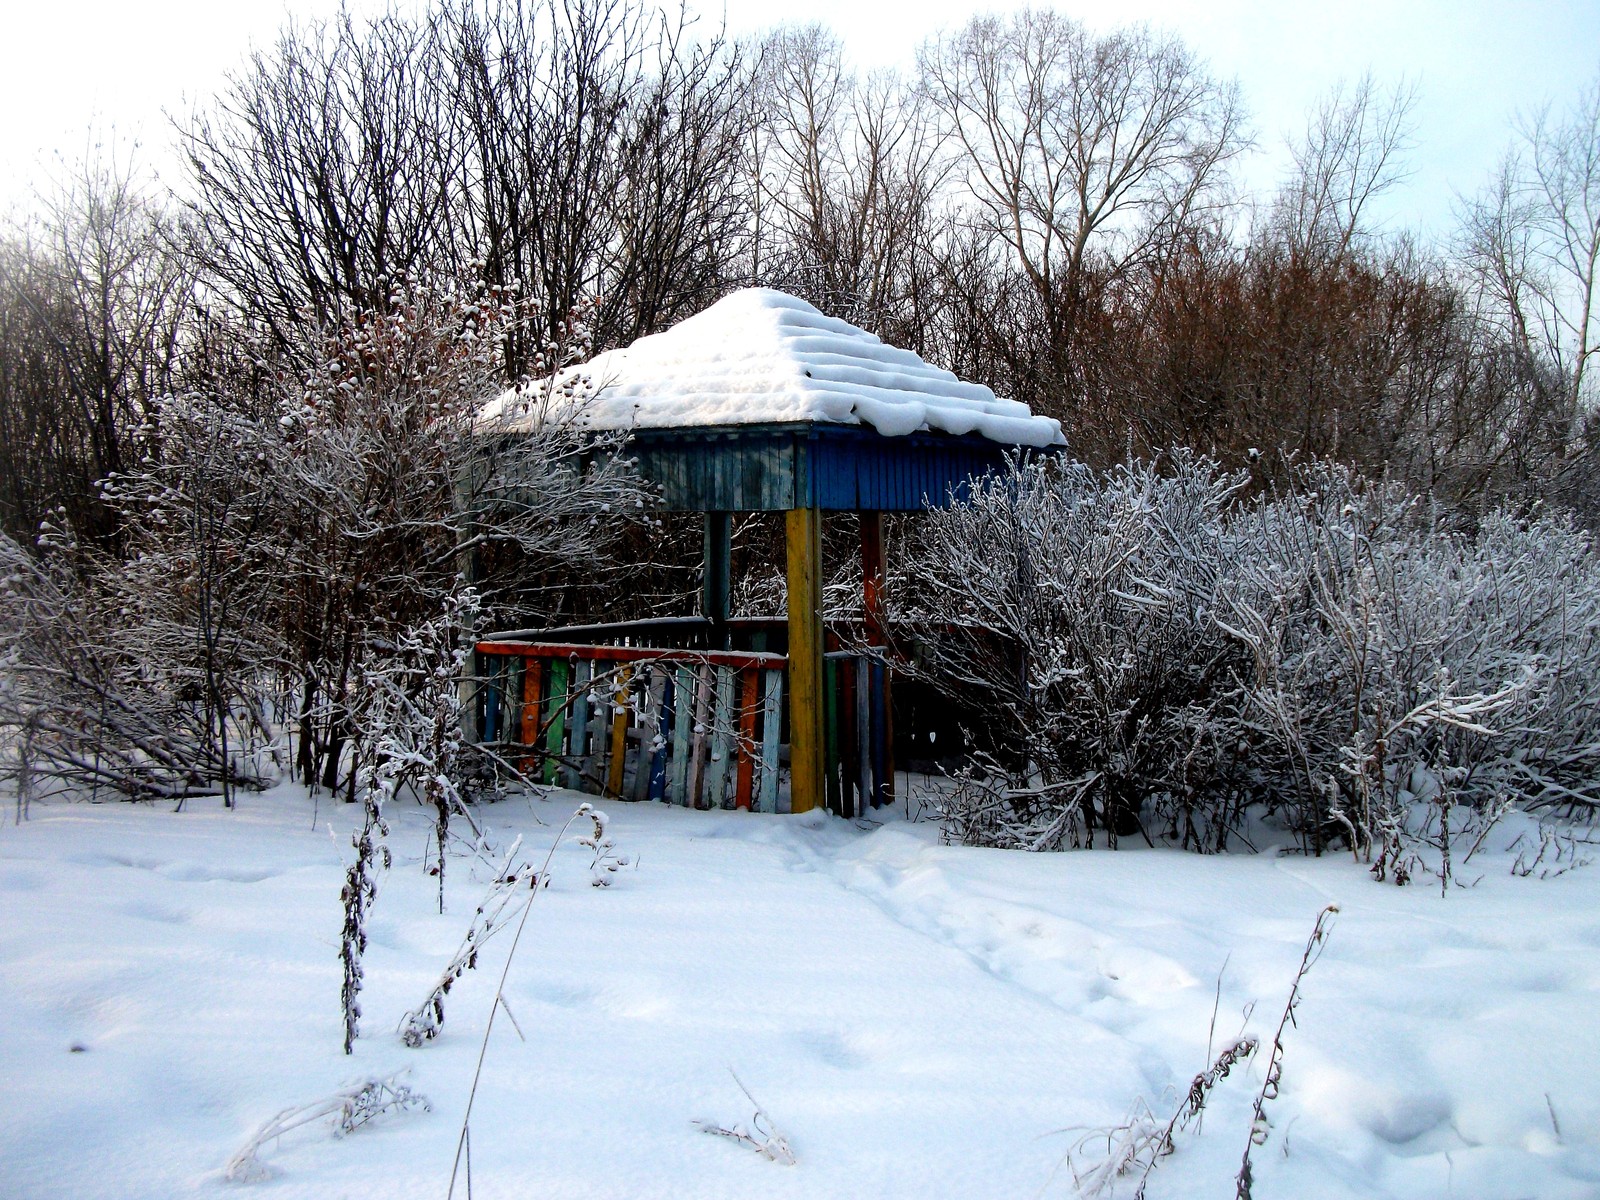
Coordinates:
x,y
573,778
718,565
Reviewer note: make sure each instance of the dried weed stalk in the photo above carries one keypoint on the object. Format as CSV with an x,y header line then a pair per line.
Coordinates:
x,y
1260,1127
1141,1142
349,1108
761,1134
494,912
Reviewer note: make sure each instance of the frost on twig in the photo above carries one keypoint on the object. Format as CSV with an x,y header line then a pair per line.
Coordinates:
x,y
348,1109
1141,1142
761,1134
494,912
606,861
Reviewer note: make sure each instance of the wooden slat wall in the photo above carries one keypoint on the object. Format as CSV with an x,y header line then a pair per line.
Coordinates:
x,y
699,729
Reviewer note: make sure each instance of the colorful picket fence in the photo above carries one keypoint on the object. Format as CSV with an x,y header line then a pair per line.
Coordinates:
x,y
699,728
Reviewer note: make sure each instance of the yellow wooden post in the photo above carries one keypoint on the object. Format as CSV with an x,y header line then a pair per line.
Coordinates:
x,y
804,528
619,734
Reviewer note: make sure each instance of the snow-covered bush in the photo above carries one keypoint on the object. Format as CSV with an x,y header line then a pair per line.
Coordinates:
x,y
1342,657
408,716
1078,609
290,532
101,690
1399,661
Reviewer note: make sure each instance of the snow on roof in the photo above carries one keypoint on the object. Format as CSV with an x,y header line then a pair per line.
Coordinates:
x,y
759,356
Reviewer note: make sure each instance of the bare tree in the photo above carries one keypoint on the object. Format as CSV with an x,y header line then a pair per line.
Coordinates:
x,y
849,178
1531,241
324,173
92,304
602,150
1351,152
1080,150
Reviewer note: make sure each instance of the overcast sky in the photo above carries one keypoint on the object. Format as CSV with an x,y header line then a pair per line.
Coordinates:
x,y
1476,63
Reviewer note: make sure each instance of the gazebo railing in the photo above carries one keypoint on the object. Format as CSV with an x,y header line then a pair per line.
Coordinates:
x,y
699,728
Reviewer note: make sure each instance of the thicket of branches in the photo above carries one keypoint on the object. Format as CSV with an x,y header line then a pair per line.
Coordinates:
x,y
285,536
1167,653
235,418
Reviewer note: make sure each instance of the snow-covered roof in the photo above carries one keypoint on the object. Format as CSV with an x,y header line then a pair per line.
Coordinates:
x,y
760,356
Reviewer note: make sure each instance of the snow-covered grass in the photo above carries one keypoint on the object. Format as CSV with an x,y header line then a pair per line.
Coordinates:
x,y
918,1020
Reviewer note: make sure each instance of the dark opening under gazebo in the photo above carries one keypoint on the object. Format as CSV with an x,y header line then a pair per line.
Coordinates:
x,y
759,404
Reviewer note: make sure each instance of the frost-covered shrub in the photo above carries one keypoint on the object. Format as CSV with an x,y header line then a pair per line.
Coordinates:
x,y
1077,609
285,526
1398,661
1342,657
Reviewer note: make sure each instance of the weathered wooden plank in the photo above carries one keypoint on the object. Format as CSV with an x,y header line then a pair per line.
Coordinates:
x,y
532,690
882,736
866,779
555,719
682,727
661,705
700,741
491,698
573,778
748,704
645,716
771,722
849,739
722,737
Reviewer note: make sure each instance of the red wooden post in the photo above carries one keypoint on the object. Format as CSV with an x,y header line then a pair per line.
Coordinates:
x,y
747,740
872,576
532,690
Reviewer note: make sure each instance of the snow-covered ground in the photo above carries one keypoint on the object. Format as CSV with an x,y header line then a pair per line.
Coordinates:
x,y
920,1021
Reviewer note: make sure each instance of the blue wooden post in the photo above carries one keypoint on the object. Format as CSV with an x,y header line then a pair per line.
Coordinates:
x,y
771,719
573,777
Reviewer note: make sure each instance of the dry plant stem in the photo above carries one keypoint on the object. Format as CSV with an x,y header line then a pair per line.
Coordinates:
x,y
1140,1142
483,1050
762,1136
1269,1085
424,1022
1194,1103
351,1107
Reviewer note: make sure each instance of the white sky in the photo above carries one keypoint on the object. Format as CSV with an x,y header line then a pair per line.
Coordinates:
x,y
64,63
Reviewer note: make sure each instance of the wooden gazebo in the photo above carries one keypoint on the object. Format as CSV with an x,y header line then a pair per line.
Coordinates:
x,y
758,404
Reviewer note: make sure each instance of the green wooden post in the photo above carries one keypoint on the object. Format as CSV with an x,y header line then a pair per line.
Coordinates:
x,y
555,718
